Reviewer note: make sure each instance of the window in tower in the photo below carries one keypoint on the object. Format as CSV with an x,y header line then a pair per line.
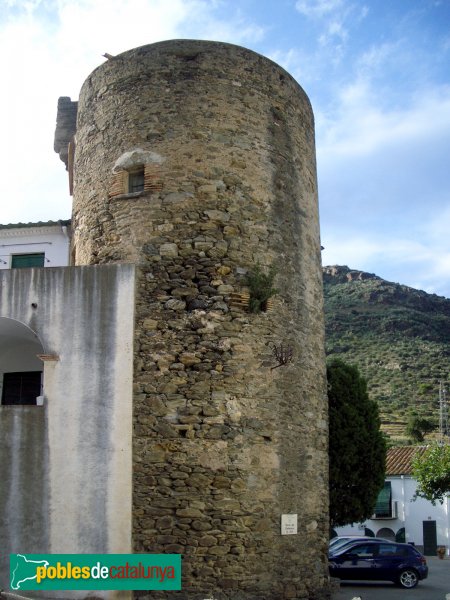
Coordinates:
x,y
136,180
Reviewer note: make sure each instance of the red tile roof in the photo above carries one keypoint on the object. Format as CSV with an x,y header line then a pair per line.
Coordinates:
x,y
398,459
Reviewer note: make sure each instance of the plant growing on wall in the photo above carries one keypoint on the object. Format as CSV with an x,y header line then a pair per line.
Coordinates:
x,y
261,288
282,353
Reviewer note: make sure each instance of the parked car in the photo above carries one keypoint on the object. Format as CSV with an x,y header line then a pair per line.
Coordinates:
x,y
337,543
342,538
378,560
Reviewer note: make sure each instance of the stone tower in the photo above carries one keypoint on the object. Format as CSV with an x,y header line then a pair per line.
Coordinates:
x,y
195,161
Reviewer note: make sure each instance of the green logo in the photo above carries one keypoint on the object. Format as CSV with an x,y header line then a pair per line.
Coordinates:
x,y
95,571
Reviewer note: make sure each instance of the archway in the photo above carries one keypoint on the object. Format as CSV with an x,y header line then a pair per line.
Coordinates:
x,y
386,533
400,536
20,368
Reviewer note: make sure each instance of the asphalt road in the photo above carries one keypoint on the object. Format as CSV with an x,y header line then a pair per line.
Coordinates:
x,y
435,587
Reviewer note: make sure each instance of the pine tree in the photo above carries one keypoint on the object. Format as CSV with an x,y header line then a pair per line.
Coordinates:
x,y
357,446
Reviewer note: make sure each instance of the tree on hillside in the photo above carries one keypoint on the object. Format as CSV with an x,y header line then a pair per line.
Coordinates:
x,y
432,471
357,446
417,427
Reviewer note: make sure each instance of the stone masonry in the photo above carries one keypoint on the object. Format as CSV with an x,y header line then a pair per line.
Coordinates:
x,y
223,442
66,124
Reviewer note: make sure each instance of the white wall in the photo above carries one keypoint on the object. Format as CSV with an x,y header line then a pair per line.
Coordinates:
x,y
76,495
422,510
18,355
53,240
411,515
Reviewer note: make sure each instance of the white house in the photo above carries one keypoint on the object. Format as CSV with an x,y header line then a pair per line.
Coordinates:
x,y
22,245
34,244
397,516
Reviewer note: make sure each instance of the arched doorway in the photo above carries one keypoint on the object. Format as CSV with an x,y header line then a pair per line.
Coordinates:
x,y
20,368
400,536
386,533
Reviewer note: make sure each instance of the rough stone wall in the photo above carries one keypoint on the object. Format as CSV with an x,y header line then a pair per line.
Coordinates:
x,y
66,124
223,444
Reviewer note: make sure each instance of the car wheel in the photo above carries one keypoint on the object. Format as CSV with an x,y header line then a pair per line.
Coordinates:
x,y
408,578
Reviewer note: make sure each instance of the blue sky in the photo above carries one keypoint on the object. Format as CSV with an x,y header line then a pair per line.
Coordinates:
x,y
377,73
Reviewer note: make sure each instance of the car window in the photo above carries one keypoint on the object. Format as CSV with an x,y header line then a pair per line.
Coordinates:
x,y
340,544
403,551
363,550
387,550
391,550
337,542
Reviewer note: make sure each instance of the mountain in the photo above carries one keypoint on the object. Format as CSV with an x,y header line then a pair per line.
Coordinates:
x,y
399,338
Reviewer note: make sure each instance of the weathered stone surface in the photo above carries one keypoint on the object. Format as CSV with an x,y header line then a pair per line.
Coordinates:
x,y
174,304
218,435
150,324
168,250
66,123
207,540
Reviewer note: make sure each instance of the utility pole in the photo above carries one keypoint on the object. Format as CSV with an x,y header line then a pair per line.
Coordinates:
x,y
443,414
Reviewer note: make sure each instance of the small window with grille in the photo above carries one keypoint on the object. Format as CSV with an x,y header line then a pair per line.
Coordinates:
x,y
136,181
21,387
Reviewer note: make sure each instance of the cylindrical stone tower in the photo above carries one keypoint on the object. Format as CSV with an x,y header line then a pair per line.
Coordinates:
x,y
195,160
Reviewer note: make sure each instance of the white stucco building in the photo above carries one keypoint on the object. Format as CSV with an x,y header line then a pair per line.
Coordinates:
x,y
26,245
66,347
43,244
398,516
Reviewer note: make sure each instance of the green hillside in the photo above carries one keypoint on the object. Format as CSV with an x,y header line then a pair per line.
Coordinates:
x,y
399,337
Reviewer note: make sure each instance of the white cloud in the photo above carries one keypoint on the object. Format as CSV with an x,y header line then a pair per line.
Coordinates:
x,y
51,46
332,20
301,66
383,182
345,250
28,6
381,152
421,260
361,125
376,57
318,8
334,40
126,25
438,226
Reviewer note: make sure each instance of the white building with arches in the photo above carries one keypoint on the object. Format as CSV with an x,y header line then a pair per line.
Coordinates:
x,y
398,515
27,245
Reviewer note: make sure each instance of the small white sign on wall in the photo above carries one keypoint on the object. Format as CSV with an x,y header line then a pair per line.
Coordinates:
x,y
288,524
